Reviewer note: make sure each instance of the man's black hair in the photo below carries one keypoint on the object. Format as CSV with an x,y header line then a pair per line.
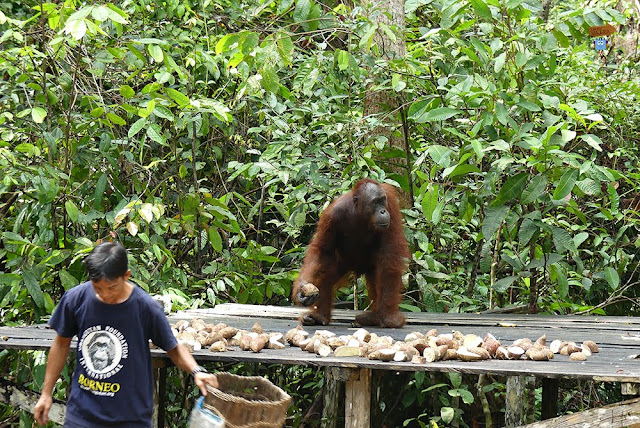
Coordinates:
x,y
107,261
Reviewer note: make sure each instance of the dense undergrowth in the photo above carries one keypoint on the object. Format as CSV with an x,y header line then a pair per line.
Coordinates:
x,y
207,136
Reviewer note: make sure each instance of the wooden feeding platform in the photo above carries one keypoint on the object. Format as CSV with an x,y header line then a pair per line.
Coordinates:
x,y
617,337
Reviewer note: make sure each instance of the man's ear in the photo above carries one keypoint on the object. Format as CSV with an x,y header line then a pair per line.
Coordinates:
x,y
127,275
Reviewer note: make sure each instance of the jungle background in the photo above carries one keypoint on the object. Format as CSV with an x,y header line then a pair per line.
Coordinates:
x,y
208,135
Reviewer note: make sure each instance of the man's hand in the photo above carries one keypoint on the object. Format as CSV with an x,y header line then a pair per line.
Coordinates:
x,y
41,410
204,379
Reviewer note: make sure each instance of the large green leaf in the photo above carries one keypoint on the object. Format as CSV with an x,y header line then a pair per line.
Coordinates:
x,y
565,186
72,210
481,9
33,287
181,99
612,277
440,155
430,202
441,113
136,127
502,284
155,133
302,10
511,189
563,240
493,218
38,114
535,189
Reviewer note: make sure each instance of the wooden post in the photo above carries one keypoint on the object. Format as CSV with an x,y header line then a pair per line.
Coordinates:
x,y
333,379
358,400
549,398
159,366
514,401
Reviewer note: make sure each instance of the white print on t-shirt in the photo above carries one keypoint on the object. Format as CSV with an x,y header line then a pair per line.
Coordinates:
x,y
102,351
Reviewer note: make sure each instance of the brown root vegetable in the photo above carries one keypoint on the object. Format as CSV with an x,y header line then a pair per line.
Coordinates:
x,y
219,326
419,344
417,359
593,347
181,325
539,354
218,346
228,332
471,341
491,344
257,328
578,356
308,290
336,342
187,335
569,349
401,356
198,324
259,342
362,335
347,351
451,354
385,354
207,339
445,340
431,354
524,343
502,353
464,354
414,335
274,343
294,332
432,333
480,351
324,350
541,342
556,345
245,342
515,352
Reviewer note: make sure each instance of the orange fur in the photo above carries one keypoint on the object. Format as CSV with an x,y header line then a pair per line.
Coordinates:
x,y
346,242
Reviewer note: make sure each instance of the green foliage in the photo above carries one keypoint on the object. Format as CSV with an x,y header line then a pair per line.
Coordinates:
x,y
208,137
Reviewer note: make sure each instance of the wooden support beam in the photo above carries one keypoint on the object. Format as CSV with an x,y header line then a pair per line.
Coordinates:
x,y
358,400
334,377
517,406
549,397
159,366
24,399
624,414
162,393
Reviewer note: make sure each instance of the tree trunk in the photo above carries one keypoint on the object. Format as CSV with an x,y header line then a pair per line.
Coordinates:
x,y
385,104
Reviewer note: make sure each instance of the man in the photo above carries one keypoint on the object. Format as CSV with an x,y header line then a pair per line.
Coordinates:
x,y
114,320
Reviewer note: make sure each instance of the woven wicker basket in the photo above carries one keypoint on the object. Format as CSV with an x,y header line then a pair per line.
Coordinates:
x,y
247,401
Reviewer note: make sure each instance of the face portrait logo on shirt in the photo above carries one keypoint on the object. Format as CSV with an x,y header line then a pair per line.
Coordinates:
x,y
102,351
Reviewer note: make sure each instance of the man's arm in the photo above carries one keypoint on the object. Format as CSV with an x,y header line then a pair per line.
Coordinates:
x,y
181,357
55,363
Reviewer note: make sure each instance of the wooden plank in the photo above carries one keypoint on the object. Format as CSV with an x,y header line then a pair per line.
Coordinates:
x,y
24,399
617,415
345,315
611,364
358,400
